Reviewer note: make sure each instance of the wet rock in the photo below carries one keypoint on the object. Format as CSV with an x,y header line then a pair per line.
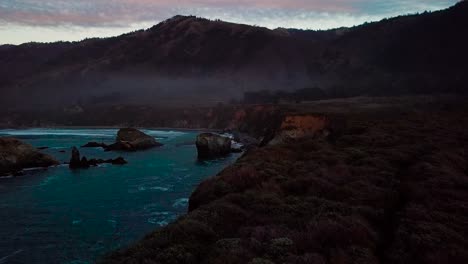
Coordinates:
x,y
131,139
211,145
84,163
94,145
16,155
118,161
75,161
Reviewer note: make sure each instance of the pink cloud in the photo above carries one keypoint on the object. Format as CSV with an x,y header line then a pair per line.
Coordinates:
x,y
124,11
120,13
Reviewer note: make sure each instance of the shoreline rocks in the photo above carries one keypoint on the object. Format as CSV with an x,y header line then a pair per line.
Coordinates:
x,y
16,155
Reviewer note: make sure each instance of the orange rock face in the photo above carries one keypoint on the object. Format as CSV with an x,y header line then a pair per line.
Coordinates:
x,y
299,126
305,123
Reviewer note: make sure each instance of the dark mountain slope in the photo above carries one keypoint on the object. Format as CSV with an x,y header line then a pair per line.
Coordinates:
x,y
20,61
187,60
418,53
183,55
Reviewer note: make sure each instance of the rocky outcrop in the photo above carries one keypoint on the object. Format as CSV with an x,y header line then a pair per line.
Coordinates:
x,y
131,139
245,140
294,127
16,155
211,145
83,163
75,161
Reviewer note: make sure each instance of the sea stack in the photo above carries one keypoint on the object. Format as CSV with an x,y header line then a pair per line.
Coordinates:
x,y
131,139
210,146
76,162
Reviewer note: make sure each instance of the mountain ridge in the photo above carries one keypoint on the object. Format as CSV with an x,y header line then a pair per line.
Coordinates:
x,y
186,59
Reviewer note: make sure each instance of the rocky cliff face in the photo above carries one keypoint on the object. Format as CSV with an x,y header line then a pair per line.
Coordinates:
x,y
298,127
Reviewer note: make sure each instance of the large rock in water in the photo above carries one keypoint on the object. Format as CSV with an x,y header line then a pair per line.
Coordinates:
x,y
211,145
16,155
131,139
76,162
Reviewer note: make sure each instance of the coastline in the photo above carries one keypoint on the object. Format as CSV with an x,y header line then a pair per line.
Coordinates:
x,y
373,182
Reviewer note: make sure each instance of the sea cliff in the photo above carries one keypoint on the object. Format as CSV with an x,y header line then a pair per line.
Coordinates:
x,y
361,182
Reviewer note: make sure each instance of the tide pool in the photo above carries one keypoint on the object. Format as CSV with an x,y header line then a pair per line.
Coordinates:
x,y
63,216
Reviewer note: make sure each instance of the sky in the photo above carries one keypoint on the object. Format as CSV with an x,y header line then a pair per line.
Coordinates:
x,y
69,20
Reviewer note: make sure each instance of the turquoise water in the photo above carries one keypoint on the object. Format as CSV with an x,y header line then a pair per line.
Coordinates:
x,y
63,216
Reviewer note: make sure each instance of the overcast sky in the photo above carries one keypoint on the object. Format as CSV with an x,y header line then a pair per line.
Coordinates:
x,y
51,20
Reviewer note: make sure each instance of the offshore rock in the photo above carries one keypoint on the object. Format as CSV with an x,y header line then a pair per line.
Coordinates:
x,y
211,146
131,139
16,155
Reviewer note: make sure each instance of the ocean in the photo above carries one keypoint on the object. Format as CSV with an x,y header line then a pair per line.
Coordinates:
x,y
57,215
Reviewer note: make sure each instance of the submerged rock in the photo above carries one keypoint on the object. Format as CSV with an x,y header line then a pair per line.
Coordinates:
x,y
94,145
211,145
118,161
131,139
16,155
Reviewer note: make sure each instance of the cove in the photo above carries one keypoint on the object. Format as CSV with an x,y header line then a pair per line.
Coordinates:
x,y
63,216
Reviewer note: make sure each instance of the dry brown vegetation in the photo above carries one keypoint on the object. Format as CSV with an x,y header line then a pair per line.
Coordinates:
x,y
391,186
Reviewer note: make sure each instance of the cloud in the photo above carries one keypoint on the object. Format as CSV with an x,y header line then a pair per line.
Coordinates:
x,y
120,15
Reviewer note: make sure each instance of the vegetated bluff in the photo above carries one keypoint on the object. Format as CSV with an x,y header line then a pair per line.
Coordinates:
x,y
388,186
185,60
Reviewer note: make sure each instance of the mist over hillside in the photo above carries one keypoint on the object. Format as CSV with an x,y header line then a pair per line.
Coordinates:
x,y
187,61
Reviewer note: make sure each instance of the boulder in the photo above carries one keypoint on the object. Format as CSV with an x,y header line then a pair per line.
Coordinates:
x,y
211,145
131,139
16,155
